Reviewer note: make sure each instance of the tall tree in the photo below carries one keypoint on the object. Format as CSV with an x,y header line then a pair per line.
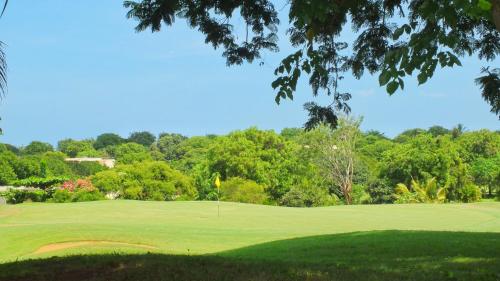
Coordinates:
x,y
394,38
144,138
339,156
107,139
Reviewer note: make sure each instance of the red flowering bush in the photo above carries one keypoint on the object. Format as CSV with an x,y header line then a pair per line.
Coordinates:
x,y
76,191
68,186
85,184
73,186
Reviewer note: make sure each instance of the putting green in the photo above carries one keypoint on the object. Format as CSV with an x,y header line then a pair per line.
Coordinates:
x,y
41,230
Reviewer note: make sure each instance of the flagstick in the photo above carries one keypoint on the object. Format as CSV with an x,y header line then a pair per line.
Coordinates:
x,y
218,204
217,184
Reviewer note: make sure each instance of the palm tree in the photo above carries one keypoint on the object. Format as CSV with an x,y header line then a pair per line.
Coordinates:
x,y
458,131
3,63
427,192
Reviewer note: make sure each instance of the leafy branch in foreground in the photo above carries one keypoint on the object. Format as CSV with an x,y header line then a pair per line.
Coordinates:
x,y
393,38
490,87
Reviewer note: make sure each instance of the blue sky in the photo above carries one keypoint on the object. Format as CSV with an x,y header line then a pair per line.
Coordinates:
x,y
78,69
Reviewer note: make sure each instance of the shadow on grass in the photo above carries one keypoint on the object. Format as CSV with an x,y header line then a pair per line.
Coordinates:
x,y
375,255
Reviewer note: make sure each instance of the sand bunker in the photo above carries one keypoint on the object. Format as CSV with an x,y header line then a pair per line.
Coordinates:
x,y
76,244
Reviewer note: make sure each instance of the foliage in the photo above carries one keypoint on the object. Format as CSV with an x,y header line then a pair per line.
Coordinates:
x,y
423,157
10,147
486,172
146,181
295,159
37,147
261,156
394,39
479,144
42,183
80,190
381,191
291,134
26,167
129,153
360,195
427,192
469,193
143,138
55,164
242,190
190,152
85,169
170,146
490,87
107,139
409,134
338,156
437,131
17,196
74,148
373,146
308,197
7,173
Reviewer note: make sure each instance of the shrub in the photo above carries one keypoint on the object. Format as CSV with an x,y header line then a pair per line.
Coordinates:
x,y
42,183
420,192
83,195
408,197
146,181
109,180
381,192
37,147
7,174
16,196
470,193
244,191
76,191
308,197
86,169
61,196
359,195
129,153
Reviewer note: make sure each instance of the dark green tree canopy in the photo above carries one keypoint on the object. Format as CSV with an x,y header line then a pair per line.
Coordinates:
x,y
438,131
169,145
144,138
37,147
394,38
107,139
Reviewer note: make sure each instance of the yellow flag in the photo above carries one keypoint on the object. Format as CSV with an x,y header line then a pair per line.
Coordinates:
x,y
217,182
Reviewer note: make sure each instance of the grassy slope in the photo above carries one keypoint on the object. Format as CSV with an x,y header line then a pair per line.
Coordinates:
x,y
263,236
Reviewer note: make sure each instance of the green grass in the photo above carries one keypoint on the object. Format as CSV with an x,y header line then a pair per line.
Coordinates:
x,y
251,242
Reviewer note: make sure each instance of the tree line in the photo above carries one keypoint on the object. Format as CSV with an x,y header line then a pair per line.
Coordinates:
x,y
319,167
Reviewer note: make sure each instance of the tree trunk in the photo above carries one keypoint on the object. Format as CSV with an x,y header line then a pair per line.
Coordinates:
x,y
495,13
347,190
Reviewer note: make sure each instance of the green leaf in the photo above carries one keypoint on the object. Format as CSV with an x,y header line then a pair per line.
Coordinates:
x,y
401,83
484,5
277,99
276,83
392,87
454,60
384,77
397,33
407,28
422,78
